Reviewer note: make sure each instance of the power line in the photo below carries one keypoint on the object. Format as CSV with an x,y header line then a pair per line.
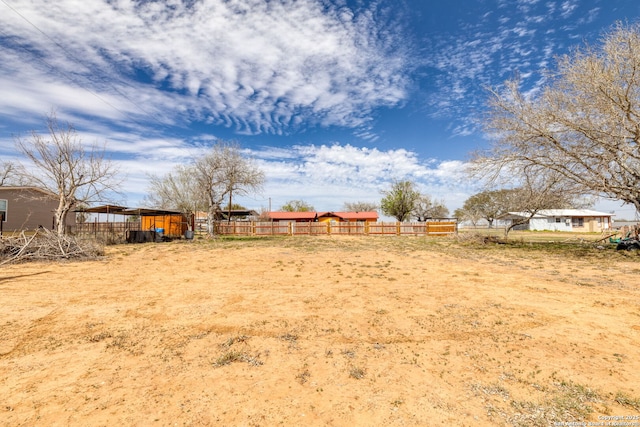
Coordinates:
x,y
78,61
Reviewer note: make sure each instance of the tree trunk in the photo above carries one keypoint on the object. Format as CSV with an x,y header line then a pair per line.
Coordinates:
x,y
190,220
636,203
61,221
210,220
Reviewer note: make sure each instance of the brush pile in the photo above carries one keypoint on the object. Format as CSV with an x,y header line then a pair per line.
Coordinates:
x,y
45,245
476,238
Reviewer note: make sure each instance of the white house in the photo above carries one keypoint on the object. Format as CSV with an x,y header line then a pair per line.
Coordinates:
x,y
584,220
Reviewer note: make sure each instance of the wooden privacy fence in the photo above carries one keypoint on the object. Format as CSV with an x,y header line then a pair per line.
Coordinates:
x,y
241,228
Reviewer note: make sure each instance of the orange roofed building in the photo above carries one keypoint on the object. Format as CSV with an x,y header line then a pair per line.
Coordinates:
x,y
324,216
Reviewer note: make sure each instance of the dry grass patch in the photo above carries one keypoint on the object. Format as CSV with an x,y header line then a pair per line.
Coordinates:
x,y
322,331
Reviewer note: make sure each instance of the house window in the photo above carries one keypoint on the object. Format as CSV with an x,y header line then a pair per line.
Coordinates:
x,y
558,220
3,210
577,222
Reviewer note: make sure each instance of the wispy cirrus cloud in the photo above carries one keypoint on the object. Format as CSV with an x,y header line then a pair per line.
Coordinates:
x,y
507,41
254,66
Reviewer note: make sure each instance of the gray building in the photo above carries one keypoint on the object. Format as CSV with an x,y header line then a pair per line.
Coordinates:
x,y
27,208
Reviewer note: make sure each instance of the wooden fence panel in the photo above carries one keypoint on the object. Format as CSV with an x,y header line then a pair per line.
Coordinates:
x,y
442,227
319,228
300,228
271,229
413,229
383,228
235,228
346,228
309,228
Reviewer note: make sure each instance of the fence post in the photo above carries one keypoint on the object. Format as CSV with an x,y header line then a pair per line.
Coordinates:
x,y
291,229
397,228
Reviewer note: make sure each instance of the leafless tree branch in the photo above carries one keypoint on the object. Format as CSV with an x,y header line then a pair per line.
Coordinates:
x,y
583,127
60,164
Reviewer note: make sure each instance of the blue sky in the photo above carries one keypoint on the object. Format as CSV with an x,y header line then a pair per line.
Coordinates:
x,y
332,98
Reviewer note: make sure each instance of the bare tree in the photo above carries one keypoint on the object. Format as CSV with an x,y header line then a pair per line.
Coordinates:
x,y
61,165
538,189
7,173
221,172
426,208
360,206
264,214
583,125
176,190
11,174
241,175
487,205
210,183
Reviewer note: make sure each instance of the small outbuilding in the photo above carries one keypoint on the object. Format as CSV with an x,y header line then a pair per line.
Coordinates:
x,y
169,223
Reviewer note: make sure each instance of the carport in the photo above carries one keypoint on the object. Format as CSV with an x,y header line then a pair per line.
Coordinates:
x,y
135,225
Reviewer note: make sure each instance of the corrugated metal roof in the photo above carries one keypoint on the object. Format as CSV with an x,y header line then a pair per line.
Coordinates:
x,y
122,210
102,209
294,215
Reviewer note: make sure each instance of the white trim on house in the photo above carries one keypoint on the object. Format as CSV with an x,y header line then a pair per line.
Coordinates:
x,y
567,220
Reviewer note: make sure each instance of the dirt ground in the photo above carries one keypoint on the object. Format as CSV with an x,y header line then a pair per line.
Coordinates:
x,y
322,331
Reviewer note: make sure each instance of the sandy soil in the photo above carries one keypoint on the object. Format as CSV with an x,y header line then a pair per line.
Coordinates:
x,y
321,331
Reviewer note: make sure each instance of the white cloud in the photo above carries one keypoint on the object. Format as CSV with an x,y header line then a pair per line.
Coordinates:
x,y
517,40
567,8
325,176
328,176
256,66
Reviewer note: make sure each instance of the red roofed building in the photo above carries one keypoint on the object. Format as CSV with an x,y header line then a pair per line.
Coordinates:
x,y
324,216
